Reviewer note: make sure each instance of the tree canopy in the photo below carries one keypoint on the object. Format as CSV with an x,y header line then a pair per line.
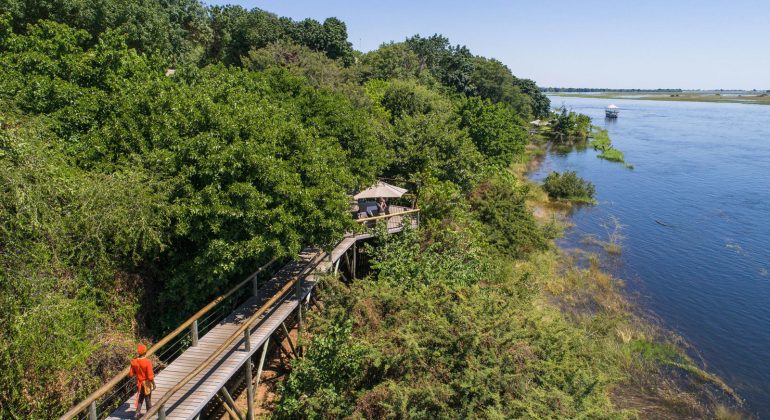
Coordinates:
x,y
133,194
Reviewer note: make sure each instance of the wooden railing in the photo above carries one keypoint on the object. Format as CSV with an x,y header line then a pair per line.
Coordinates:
x,y
189,326
243,332
399,217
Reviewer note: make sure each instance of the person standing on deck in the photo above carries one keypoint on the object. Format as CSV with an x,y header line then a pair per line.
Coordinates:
x,y
382,206
141,367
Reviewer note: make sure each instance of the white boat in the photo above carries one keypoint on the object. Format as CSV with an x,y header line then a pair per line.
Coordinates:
x,y
611,111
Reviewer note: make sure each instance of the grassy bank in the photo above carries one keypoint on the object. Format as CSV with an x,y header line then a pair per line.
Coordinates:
x,y
748,98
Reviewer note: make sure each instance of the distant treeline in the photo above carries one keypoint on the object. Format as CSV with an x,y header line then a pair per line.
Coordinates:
x,y
571,89
583,90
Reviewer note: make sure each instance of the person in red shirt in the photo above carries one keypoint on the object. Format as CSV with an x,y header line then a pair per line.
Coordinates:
x,y
141,367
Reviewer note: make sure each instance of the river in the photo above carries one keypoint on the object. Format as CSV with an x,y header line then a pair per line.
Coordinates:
x,y
696,216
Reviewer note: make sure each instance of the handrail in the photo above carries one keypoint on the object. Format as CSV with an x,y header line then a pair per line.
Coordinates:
x,y
386,216
237,334
77,409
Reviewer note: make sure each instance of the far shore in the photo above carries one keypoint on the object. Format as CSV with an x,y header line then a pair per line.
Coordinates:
x,y
741,98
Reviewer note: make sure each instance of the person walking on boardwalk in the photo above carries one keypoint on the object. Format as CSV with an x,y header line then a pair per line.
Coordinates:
x,y
141,368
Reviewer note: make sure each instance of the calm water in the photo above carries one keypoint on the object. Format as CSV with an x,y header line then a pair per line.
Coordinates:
x,y
696,211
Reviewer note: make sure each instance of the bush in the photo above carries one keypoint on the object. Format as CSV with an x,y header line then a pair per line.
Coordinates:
x,y
568,186
441,334
500,204
569,127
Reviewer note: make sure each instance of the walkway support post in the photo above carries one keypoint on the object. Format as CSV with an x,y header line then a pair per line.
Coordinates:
x,y
347,262
261,362
230,413
230,402
92,411
291,346
194,333
162,412
249,385
299,316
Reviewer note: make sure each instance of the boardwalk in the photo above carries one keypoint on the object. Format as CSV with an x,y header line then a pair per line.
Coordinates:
x,y
274,301
194,396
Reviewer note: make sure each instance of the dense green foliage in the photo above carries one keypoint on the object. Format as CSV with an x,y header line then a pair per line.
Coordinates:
x,y
600,139
452,323
569,127
441,330
495,129
63,241
132,195
568,186
500,204
458,321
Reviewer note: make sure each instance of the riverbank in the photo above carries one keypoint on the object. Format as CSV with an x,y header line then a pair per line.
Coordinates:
x,y
657,376
696,252
749,98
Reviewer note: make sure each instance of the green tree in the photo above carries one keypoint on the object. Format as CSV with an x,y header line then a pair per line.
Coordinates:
x,y
493,80
172,28
569,127
432,145
390,61
541,105
320,70
496,130
451,65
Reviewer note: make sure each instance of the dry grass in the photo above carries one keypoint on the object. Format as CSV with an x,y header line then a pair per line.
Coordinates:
x,y
656,378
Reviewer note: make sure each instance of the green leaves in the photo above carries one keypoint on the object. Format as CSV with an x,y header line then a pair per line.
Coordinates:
x,y
323,380
438,333
496,130
500,203
569,127
568,186
67,238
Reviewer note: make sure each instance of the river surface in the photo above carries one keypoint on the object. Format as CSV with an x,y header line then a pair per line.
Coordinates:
x,y
696,216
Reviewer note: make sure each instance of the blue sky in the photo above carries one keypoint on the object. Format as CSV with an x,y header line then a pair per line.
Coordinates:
x,y
616,44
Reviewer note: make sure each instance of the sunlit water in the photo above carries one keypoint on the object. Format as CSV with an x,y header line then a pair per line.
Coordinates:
x,y
696,216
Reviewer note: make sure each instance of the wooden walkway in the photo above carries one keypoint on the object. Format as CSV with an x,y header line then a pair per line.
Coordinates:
x,y
190,400
193,397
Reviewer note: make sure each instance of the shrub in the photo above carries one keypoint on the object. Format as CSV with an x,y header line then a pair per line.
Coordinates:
x,y
568,186
500,204
569,127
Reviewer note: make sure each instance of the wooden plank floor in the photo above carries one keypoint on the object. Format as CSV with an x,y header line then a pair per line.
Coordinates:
x,y
190,400
193,397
